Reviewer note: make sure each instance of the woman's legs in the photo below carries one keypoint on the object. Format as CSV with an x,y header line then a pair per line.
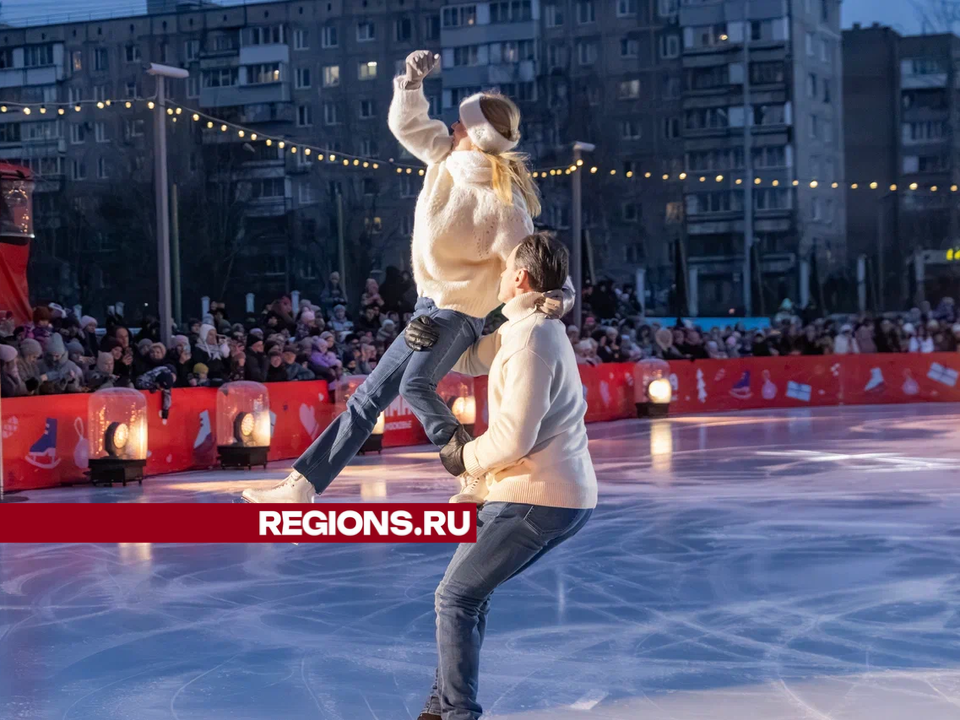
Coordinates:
x,y
458,332
510,538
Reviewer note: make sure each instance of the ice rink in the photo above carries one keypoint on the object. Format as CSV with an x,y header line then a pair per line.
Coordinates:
x,y
772,566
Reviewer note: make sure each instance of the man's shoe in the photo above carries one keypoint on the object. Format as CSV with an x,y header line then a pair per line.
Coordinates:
x,y
294,489
472,490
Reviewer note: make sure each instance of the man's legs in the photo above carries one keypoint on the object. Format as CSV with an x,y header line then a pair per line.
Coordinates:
x,y
510,539
458,332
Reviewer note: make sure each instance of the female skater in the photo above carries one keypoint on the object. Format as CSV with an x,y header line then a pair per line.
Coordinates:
x,y
474,209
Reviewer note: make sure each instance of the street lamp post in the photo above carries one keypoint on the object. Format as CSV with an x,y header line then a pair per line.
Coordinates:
x,y
164,310
576,271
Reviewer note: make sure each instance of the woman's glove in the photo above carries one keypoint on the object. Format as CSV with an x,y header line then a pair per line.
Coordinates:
x,y
421,333
419,64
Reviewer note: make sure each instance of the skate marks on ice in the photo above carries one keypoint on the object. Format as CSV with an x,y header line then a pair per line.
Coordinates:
x,y
811,592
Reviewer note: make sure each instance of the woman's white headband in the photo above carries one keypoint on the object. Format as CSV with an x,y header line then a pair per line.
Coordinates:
x,y
484,135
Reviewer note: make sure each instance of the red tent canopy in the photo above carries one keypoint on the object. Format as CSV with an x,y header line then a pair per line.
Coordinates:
x,y
16,232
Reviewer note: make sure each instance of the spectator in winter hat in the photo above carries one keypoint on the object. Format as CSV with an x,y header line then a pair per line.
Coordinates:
x,y
255,368
75,354
295,366
101,374
586,352
339,322
276,372
11,384
88,336
371,295
388,332
306,323
63,376
202,373
42,327
573,334
31,370
845,343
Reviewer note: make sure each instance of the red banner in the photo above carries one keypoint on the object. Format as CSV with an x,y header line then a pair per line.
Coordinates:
x,y
44,438
237,523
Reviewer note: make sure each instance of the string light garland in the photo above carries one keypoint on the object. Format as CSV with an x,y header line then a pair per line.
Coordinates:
x,y
328,157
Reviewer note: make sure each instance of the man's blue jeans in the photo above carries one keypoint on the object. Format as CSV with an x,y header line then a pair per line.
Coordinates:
x,y
400,371
510,538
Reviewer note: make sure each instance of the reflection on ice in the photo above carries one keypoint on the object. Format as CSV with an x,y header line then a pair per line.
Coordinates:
x,y
748,566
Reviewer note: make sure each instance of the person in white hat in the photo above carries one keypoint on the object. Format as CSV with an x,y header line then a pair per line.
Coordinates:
x,y
475,207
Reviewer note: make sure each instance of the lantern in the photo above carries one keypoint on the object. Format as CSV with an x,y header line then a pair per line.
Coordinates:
x,y
652,389
456,390
345,389
243,424
117,423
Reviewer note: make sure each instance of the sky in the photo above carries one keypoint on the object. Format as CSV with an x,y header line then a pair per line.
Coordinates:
x,y
897,13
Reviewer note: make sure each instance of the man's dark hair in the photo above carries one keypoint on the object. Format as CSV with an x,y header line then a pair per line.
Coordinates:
x,y
545,259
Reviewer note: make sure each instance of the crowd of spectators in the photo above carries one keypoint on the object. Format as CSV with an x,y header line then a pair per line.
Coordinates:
x,y
58,352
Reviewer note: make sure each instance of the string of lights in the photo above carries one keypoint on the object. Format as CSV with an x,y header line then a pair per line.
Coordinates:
x,y
348,160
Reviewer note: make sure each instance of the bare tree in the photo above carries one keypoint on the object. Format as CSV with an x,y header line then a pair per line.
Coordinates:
x,y
937,16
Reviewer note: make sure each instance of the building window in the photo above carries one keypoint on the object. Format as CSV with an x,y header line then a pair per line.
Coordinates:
x,y
594,95
514,11
669,46
557,56
304,116
553,15
269,35
301,40
370,186
626,8
406,225
767,73
586,12
368,109
919,132
191,49
435,107
369,148
775,114
328,38
462,16
707,118
431,27
102,168
629,90
630,212
366,31
164,52
306,193
466,56
629,47
774,156
630,129
367,70
37,55
814,127
267,188
132,53
6,58
522,92
131,89
303,78
671,88
79,170
263,74
403,29
77,134
811,86
193,87
223,77
811,50
667,8
76,61
671,128
100,59
330,114
586,52
100,93
331,75
10,133
133,128
100,131
517,50
408,186
824,50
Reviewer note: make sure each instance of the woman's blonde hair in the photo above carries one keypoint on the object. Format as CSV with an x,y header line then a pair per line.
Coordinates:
x,y
510,169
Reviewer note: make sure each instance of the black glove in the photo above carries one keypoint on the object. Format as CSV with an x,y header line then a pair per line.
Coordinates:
x,y
451,454
421,333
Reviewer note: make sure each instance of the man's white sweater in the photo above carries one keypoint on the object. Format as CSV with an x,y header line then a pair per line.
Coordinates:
x,y
535,448
462,232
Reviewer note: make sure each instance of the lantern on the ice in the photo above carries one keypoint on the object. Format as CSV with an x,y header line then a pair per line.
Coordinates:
x,y
117,426
345,390
243,424
456,390
652,389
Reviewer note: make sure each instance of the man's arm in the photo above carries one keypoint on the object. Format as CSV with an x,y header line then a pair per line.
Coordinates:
x,y
478,358
514,432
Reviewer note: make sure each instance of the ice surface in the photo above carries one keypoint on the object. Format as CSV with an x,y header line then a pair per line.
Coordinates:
x,y
777,566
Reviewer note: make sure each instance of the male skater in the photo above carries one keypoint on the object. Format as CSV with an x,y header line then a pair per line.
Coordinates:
x,y
532,464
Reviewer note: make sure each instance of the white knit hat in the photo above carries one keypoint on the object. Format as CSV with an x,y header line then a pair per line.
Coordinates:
x,y
484,135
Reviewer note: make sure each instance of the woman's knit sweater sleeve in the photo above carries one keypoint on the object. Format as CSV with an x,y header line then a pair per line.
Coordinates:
x,y
409,121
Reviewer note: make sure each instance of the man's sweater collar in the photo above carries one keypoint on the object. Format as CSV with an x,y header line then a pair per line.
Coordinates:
x,y
521,306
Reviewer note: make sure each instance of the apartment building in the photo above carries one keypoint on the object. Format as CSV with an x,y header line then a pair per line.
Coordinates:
x,y
788,54
901,98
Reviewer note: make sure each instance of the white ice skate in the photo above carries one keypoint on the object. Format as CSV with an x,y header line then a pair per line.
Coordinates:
x,y
294,489
472,490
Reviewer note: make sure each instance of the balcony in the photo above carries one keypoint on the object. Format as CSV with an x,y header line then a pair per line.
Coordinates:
x,y
278,92
259,54
266,112
266,207
23,77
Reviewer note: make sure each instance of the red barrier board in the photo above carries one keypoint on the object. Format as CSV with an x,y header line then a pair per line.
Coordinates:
x,y
44,441
237,523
